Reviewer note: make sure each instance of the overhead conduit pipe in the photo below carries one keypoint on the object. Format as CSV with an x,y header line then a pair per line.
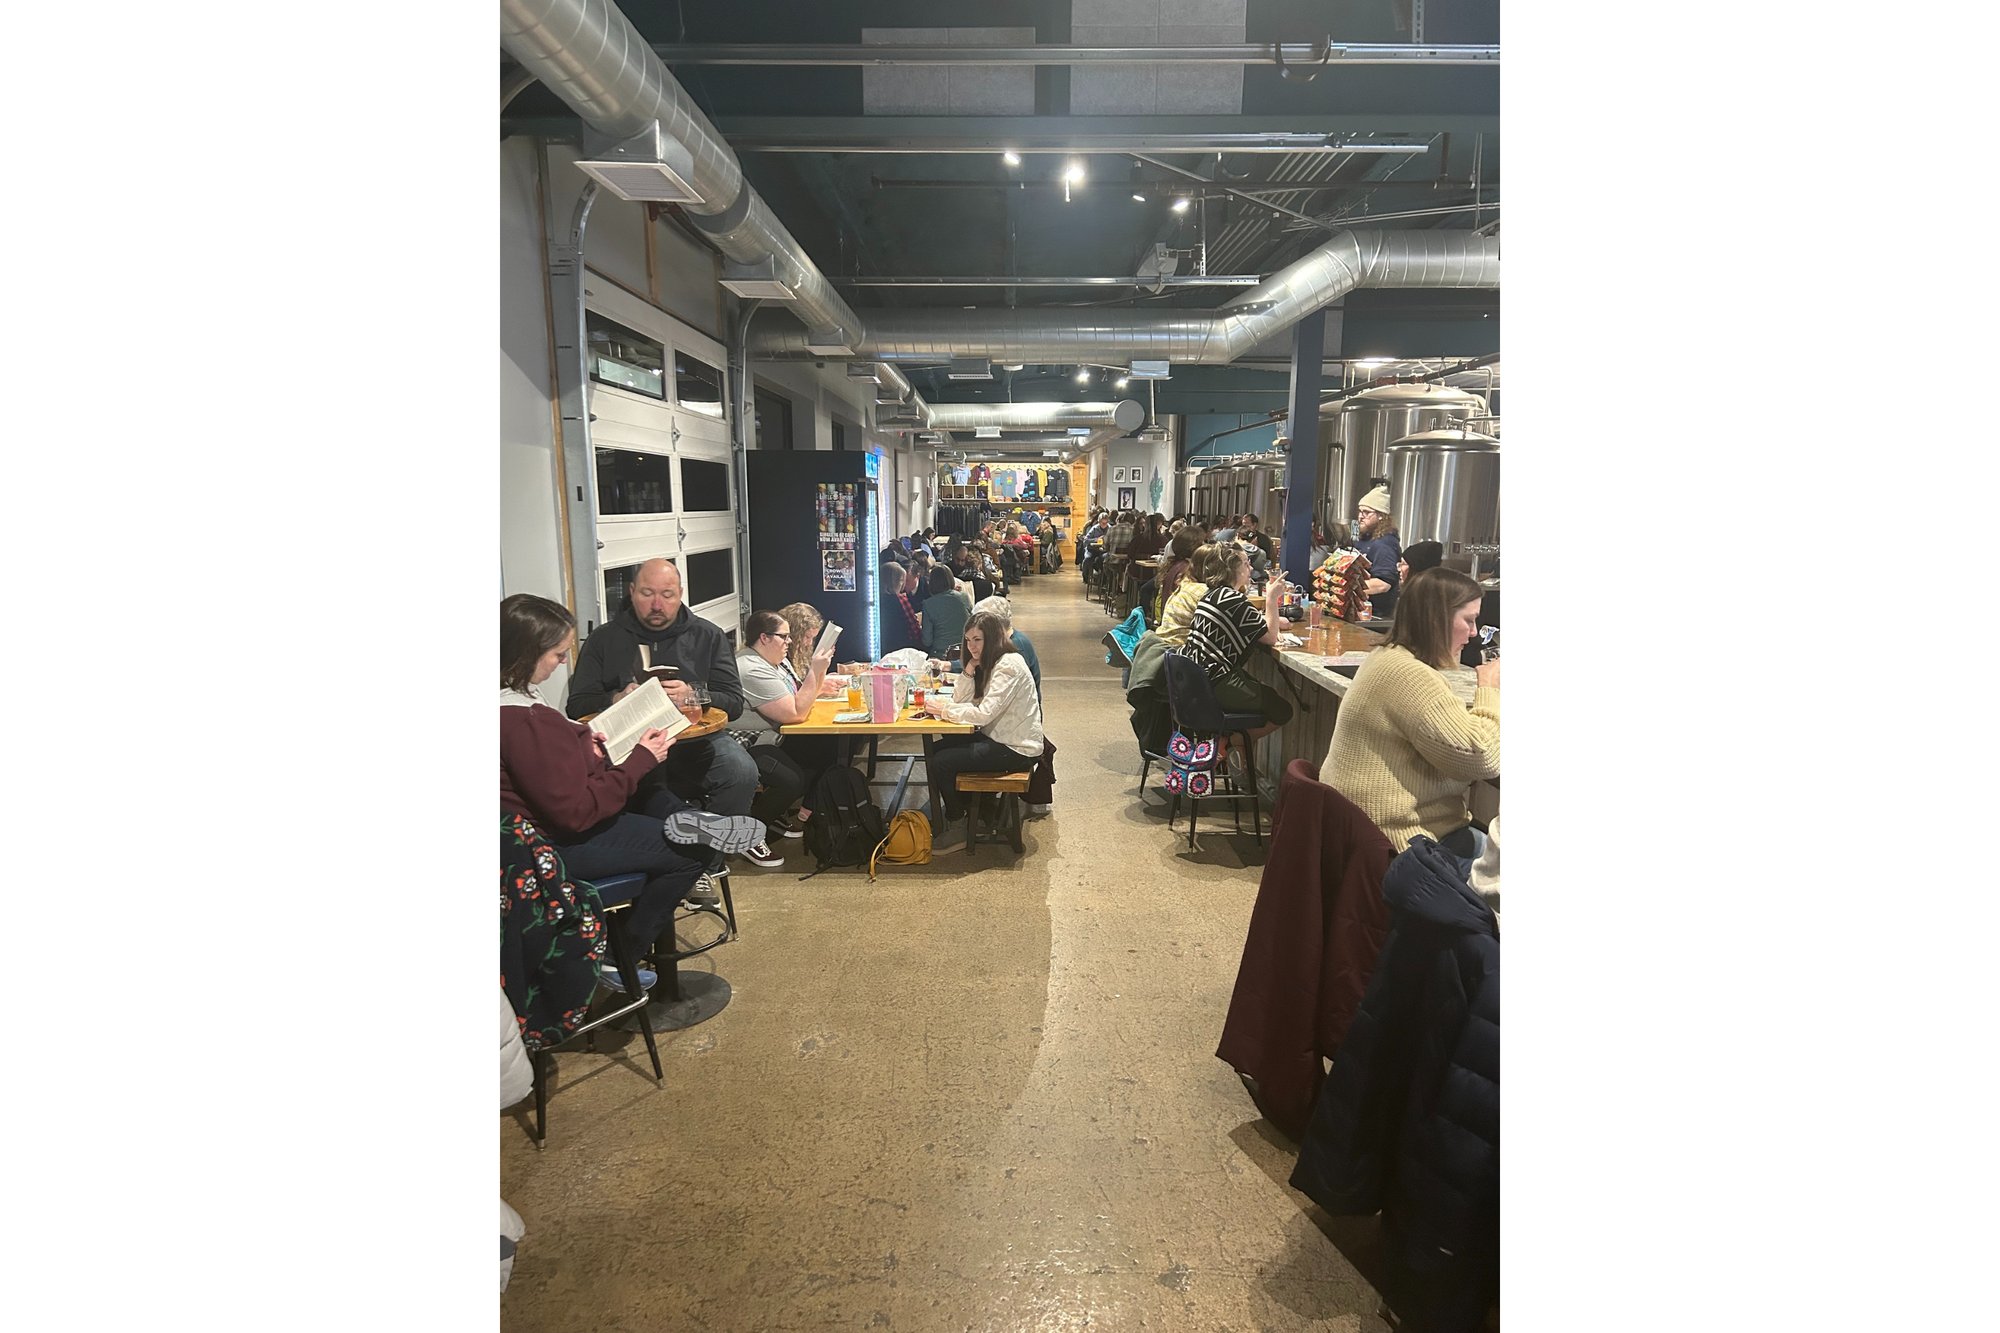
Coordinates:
x,y
596,61
1347,261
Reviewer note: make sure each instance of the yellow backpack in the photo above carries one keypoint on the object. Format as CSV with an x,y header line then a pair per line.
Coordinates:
x,y
907,843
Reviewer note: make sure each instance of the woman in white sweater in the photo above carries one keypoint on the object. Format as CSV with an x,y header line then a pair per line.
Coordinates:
x,y
1405,749
996,694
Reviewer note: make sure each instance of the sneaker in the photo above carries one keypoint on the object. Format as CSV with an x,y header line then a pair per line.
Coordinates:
x,y
1040,809
703,894
725,833
760,855
797,830
607,976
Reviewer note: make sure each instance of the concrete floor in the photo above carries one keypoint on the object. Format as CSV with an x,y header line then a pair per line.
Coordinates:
x,y
980,1094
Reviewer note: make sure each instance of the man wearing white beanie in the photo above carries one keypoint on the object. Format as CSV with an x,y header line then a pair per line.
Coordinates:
x,y
1375,528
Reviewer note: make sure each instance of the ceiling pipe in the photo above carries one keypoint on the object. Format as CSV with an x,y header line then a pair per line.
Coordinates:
x,y
1126,415
1066,335
1240,53
589,53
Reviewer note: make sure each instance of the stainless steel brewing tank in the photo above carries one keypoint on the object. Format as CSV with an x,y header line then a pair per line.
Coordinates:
x,y
1327,474
1446,485
1373,419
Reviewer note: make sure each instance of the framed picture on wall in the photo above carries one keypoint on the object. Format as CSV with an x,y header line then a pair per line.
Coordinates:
x,y
1118,474
1128,497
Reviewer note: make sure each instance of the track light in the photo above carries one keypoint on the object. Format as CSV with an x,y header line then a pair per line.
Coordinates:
x,y
1083,377
1075,172
1011,158
1180,205
1123,383
1138,198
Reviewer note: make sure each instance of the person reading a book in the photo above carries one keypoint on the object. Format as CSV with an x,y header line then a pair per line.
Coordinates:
x,y
713,771
561,775
776,695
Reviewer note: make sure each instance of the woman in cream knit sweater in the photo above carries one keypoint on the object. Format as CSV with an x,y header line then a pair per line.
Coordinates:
x,y
1404,748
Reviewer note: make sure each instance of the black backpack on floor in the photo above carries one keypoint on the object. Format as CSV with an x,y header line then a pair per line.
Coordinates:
x,y
845,827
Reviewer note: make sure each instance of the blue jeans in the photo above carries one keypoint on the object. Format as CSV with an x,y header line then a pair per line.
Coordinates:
x,y
714,772
637,844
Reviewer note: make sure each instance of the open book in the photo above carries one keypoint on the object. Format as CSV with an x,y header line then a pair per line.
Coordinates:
x,y
633,716
827,635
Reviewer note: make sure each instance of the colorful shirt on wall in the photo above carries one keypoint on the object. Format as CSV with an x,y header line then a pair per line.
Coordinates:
x,y
1031,489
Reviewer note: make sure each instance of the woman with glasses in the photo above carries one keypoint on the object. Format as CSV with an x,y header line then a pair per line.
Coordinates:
x,y
774,695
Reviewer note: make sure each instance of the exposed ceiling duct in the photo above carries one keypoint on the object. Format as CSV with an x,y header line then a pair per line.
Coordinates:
x,y
1056,334
1126,415
589,53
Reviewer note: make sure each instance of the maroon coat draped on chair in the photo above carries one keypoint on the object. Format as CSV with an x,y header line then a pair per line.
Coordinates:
x,y
1315,933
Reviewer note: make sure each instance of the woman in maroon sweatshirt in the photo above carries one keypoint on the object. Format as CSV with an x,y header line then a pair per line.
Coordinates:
x,y
556,773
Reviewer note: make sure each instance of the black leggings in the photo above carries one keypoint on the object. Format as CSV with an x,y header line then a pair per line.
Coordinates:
x,y
977,753
787,772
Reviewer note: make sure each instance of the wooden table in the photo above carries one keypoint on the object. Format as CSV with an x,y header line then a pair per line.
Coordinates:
x,y
712,721
821,723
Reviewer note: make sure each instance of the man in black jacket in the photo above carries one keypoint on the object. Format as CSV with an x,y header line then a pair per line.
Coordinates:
x,y
714,772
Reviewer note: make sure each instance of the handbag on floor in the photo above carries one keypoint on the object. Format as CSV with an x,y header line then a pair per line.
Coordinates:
x,y
907,843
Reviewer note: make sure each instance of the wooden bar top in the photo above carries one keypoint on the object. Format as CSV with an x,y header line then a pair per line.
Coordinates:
x,y
821,723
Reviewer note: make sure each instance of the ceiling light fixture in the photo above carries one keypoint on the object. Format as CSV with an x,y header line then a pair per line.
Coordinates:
x,y
1011,158
1139,198
1083,377
1073,176
1123,383
1181,205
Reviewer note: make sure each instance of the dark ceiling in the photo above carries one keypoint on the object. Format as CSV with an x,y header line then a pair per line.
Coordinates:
x,y
872,214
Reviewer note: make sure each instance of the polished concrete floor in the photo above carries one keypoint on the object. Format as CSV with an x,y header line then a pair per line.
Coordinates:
x,y
980,1094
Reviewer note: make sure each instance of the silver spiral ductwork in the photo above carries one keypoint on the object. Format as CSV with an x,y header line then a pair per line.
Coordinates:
x,y
1126,415
1210,337
596,61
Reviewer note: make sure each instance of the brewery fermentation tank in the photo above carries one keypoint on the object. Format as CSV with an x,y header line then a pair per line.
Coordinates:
x,y
1370,421
1446,485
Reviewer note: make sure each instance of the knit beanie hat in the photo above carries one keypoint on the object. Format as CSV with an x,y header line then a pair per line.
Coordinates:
x,y
1423,555
1377,500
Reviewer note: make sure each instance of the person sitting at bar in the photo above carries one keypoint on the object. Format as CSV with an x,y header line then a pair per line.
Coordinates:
x,y
1178,613
944,615
1376,528
1419,557
556,773
776,695
900,628
1251,534
1405,749
711,771
1222,633
1173,568
995,694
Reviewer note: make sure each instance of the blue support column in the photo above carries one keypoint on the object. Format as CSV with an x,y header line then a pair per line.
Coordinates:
x,y
1302,459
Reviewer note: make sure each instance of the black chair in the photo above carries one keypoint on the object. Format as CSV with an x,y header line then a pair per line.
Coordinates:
x,y
1195,710
614,892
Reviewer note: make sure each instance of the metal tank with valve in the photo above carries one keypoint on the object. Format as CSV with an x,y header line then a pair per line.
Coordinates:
x,y
1446,489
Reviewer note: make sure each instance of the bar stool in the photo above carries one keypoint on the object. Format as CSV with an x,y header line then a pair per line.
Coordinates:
x,y
687,998
1192,699
1007,820
614,892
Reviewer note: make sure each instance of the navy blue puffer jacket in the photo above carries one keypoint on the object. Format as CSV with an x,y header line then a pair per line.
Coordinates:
x,y
1408,1122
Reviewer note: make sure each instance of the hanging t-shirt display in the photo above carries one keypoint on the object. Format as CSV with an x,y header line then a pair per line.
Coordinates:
x,y
1031,488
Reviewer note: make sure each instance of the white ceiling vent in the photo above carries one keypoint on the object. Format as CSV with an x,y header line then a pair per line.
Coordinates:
x,y
761,280
641,182
649,167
